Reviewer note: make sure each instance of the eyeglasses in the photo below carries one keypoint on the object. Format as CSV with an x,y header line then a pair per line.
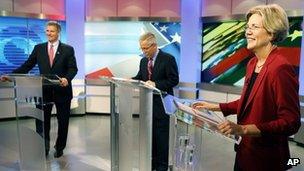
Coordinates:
x,y
252,28
146,48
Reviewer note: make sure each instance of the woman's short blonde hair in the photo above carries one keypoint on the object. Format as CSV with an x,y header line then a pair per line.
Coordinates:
x,y
274,20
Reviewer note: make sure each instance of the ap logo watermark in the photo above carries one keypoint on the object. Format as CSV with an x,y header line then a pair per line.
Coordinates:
x,y
293,161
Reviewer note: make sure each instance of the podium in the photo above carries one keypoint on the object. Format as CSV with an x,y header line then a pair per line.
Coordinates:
x,y
130,151
188,132
22,148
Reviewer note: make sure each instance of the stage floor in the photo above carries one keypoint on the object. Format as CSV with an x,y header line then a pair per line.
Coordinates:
x,y
88,148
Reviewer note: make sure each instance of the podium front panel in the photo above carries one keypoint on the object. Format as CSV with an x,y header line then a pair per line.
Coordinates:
x,y
188,144
131,130
26,148
145,128
127,139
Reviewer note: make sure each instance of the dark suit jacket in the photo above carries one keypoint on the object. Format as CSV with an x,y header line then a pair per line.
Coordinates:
x,y
64,65
273,106
165,76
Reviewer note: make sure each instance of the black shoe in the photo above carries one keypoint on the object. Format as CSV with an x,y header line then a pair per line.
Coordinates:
x,y
58,153
162,169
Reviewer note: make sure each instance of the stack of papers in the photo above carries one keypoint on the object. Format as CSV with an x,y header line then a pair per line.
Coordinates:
x,y
205,119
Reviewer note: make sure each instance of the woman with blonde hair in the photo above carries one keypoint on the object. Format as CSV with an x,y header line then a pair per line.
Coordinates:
x,y
268,111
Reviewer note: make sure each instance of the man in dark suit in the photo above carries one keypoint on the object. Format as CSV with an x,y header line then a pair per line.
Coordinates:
x,y
54,58
158,69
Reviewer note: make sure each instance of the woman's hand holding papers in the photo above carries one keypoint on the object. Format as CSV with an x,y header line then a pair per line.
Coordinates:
x,y
228,128
205,105
231,128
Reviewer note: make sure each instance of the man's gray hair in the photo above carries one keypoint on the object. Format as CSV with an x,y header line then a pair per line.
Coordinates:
x,y
149,38
54,23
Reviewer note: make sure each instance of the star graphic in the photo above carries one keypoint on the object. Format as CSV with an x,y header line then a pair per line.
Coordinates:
x,y
176,38
295,34
163,28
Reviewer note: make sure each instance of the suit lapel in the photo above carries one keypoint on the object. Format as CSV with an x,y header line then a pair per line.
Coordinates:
x,y
57,54
46,54
250,70
144,68
256,85
260,77
156,63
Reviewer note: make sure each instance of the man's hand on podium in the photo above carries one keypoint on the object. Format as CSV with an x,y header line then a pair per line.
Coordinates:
x,y
5,78
63,82
151,83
